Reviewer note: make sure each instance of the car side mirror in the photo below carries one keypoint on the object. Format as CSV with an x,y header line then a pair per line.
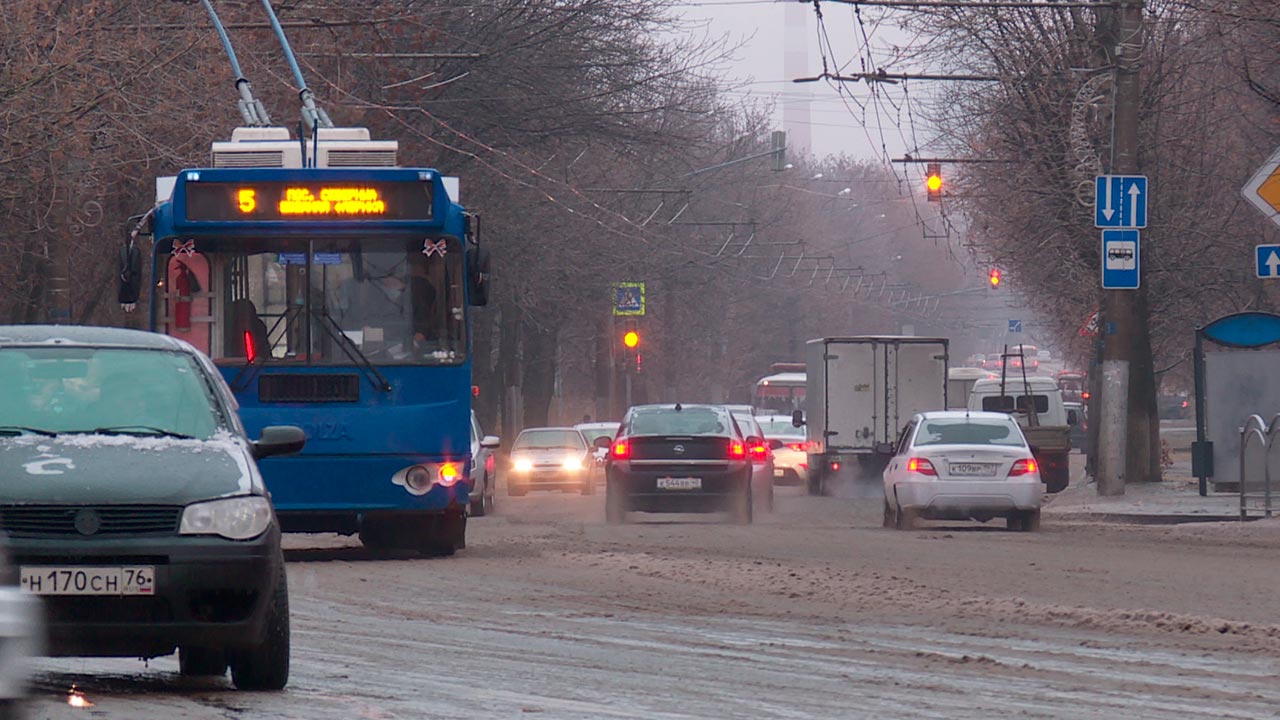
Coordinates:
x,y
775,443
884,448
797,418
279,440
491,441
754,441
604,441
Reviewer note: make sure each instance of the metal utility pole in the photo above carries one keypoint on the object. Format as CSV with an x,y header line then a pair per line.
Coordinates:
x,y
1123,323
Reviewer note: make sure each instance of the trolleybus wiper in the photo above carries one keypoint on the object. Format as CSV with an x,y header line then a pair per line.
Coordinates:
x,y
351,350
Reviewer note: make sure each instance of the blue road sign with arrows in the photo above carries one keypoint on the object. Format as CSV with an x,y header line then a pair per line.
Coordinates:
x,y
1120,260
1120,201
1015,326
1268,261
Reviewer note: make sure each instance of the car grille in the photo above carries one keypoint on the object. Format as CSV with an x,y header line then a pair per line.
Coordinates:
x,y
67,609
60,520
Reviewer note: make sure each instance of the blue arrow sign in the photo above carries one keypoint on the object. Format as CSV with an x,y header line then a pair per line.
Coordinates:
x,y
1268,261
1015,326
1120,201
1120,260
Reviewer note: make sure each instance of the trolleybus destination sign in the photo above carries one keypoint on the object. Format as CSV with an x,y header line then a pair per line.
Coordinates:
x,y
291,200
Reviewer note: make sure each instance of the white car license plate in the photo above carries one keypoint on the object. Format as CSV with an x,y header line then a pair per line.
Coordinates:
x,y
52,580
973,469
679,483
777,473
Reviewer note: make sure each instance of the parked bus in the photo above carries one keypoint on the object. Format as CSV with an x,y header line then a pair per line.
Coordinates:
x,y
781,391
335,299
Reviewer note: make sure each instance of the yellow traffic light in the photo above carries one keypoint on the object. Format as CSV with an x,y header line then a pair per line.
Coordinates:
x,y
933,181
994,278
631,339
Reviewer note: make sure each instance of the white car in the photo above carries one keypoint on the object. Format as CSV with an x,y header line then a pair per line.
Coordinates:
x,y
484,471
962,465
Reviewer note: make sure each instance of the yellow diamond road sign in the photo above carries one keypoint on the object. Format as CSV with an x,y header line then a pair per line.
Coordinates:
x,y
1263,190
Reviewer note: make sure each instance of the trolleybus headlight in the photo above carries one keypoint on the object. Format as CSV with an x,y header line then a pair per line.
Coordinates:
x,y
523,465
237,518
418,478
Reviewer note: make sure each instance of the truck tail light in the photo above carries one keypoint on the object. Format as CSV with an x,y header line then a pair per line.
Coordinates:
x,y
621,450
921,466
1023,467
250,352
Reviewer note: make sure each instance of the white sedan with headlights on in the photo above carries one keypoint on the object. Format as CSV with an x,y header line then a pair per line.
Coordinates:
x,y
554,458
959,465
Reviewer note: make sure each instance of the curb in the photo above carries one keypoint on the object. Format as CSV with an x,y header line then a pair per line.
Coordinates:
x,y
1147,518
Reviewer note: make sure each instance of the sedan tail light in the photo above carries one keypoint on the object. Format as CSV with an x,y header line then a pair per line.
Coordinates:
x,y
621,450
737,450
1023,467
922,467
798,447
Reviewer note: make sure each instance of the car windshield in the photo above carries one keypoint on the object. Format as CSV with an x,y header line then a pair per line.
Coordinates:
x,y
747,424
84,389
969,431
546,439
686,421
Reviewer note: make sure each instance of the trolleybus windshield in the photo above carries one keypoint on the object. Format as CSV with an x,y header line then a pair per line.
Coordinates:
x,y
320,301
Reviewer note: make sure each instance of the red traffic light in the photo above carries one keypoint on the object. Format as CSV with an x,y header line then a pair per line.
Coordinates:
x,y
994,278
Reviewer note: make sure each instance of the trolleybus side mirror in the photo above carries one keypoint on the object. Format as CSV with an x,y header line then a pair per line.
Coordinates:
x,y
797,418
478,275
279,440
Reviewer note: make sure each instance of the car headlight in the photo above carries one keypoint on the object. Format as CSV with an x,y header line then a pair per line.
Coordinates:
x,y
236,518
523,465
572,462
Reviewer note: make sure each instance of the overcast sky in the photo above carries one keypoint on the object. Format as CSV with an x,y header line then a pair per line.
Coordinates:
x,y
837,125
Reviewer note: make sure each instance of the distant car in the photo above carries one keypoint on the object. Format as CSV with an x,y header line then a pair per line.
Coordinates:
x,y
593,431
678,458
961,465
484,470
789,446
993,362
762,466
134,506
1073,386
551,458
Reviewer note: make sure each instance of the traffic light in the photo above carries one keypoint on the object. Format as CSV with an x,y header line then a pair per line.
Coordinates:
x,y
631,339
933,182
994,278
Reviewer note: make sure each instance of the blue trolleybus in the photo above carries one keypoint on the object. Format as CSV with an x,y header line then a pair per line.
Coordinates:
x,y
335,299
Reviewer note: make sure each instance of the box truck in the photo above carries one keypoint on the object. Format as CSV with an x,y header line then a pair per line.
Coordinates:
x,y
860,392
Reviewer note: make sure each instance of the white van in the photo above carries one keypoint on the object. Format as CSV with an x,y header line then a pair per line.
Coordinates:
x,y
960,382
1044,396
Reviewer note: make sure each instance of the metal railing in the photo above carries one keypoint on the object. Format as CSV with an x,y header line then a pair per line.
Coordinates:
x,y
1259,454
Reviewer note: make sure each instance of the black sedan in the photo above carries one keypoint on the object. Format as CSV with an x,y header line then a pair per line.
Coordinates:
x,y
134,506
678,458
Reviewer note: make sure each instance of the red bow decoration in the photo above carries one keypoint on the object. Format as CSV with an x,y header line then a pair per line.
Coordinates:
x,y
433,248
187,248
